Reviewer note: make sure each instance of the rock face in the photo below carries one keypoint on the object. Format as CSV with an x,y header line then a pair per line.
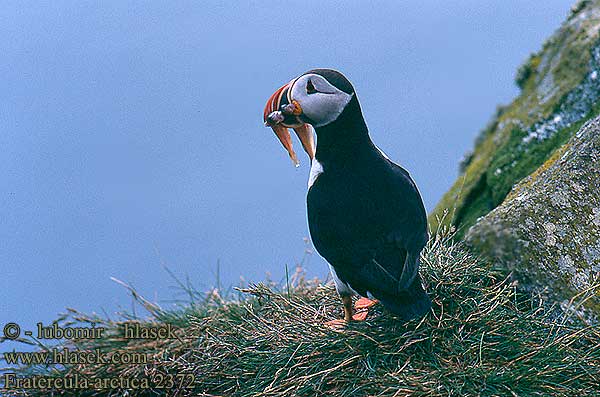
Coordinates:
x,y
560,90
529,193
548,229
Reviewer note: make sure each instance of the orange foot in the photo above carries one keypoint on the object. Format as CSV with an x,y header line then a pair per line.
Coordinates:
x,y
361,308
360,315
364,303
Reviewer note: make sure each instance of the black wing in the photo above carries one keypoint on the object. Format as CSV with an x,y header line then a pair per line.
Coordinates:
x,y
370,226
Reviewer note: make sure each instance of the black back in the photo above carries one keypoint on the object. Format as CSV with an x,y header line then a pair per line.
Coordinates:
x,y
365,214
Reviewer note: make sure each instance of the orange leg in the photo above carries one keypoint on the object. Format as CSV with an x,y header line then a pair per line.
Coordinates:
x,y
347,301
339,324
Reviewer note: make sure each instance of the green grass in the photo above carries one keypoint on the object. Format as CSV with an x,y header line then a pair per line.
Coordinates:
x,y
483,337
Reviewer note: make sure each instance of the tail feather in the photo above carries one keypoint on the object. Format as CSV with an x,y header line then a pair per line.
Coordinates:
x,y
410,271
408,304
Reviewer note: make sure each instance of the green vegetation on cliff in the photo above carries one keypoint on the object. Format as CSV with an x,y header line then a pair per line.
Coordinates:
x,y
560,91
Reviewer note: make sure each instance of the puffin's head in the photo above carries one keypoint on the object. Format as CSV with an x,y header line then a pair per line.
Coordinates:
x,y
317,97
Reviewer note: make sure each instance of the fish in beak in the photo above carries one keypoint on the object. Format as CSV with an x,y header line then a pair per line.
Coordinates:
x,y
282,112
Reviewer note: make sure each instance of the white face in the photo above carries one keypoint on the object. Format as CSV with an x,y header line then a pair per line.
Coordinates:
x,y
320,101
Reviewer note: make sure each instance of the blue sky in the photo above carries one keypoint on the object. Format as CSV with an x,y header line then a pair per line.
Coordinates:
x,y
132,136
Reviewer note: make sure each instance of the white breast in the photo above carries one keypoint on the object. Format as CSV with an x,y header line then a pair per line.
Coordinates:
x,y
316,169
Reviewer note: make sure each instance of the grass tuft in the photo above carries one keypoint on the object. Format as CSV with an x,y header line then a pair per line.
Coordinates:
x,y
483,337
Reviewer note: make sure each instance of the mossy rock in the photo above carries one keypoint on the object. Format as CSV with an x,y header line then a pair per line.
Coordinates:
x,y
547,231
560,90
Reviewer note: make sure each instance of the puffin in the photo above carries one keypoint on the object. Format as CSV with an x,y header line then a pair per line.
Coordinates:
x,y
366,216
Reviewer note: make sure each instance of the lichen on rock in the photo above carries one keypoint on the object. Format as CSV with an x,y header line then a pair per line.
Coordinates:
x,y
575,106
560,90
547,231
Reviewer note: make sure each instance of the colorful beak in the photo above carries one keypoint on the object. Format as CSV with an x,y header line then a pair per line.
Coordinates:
x,y
281,112
274,103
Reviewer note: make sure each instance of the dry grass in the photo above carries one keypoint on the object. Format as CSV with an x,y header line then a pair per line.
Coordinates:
x,y
483,337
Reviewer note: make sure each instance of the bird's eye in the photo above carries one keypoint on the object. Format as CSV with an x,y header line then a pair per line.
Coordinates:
x,y
310,88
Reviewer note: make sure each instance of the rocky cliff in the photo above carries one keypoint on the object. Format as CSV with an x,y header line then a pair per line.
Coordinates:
x,y
548,228
529,193
560,90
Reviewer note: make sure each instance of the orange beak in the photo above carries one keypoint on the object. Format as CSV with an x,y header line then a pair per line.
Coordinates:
x,y
281,112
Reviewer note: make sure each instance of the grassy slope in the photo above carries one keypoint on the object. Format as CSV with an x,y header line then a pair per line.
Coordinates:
x,y
484,337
